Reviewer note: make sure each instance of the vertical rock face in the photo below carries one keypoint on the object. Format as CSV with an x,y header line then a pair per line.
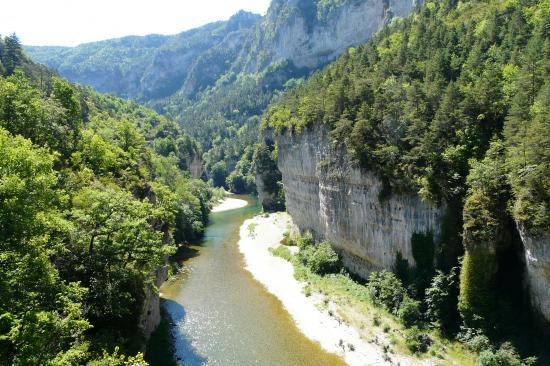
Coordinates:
x,y
195,166
309,35
150,315
335,201
537,262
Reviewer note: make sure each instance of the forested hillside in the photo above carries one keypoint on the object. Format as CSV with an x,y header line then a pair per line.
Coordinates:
x,y
94,196
218,79
451,104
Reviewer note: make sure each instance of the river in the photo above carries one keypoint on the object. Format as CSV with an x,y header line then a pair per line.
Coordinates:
x,y
222,316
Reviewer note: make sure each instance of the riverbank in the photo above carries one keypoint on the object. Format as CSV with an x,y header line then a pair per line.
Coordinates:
x,y
338,326
229,203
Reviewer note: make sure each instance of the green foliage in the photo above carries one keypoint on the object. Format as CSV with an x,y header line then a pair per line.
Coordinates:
x,y
428,93
477,284
386,290
417,341
409,311
218,174
282,252
318,258
242,179
442,301
34,300
484,224
116,359
88,210
506,355
265,166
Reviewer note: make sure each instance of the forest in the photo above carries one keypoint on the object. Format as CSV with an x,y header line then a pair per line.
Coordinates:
x,y
94,197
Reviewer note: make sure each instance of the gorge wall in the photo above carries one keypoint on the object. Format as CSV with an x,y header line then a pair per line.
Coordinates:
x,y
310,35
537,263
326,195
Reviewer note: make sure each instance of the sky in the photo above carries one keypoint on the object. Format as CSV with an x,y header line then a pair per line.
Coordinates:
x,y
71,22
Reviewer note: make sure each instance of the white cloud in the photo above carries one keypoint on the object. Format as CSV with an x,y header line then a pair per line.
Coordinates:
x,y
70,22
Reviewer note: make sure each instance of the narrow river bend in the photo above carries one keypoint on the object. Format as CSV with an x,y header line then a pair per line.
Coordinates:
x,y
222,316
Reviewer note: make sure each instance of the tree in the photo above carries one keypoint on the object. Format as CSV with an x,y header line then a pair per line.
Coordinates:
x,y
34,301
119,247
13,54
71,123
218,174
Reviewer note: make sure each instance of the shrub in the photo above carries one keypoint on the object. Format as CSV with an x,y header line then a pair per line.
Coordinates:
x,y
320,259
386,290
417,341
479,343
305,241
442,301
409,312
506,355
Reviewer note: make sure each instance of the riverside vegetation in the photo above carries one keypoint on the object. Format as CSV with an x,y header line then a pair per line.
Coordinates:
x,y
392,314
93,198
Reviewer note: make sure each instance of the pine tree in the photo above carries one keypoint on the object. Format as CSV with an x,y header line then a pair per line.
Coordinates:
x,y
13,54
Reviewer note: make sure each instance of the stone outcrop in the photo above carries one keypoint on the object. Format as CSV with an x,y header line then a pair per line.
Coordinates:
x,y
326,195
195,166
149,319
537,269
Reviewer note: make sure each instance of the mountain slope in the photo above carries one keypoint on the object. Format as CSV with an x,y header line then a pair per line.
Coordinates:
x,y
239,67
149,67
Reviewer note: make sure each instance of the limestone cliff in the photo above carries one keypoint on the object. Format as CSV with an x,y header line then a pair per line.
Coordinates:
x,y
537,263
328,196
149,319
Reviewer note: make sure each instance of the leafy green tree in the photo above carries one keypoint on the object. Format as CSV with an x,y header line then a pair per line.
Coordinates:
x,y
218,174
71,124
119,248
34,300
442,301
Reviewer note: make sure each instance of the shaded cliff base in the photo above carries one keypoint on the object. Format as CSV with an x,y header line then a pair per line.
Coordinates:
x,y
331,309
160,348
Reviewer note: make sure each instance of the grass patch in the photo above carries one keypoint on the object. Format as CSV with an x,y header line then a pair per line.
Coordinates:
x,y
252,229
282,252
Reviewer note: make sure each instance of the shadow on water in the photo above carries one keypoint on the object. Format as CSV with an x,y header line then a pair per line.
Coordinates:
x,y
186,354
184,253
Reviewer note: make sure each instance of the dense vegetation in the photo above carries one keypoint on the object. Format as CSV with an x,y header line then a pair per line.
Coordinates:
x,y
94,197
430,92
421,104
421,326
450,103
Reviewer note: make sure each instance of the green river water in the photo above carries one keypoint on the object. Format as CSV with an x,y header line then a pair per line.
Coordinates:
x,y
222,316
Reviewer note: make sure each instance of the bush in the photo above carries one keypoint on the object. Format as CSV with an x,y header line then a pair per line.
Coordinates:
x,y
416,341
320,259
506,355
305,241
409,312
442,301
386,290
